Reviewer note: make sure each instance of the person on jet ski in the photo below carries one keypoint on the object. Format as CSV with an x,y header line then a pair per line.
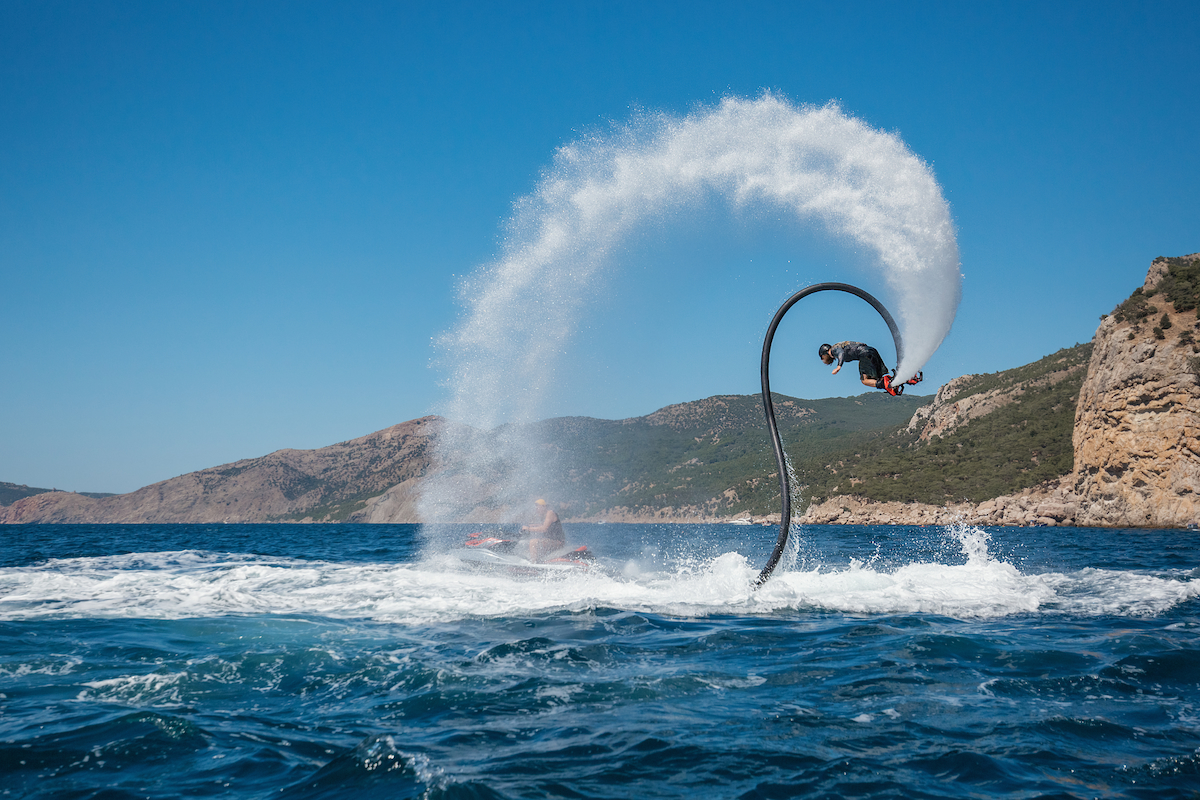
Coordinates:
x,y
553,537
871,370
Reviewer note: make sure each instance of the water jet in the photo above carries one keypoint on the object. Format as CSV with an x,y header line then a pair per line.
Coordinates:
x,y
811,164
785,518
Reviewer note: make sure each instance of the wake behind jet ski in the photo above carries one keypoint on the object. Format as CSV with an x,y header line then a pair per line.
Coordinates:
x,y
484,550
546,550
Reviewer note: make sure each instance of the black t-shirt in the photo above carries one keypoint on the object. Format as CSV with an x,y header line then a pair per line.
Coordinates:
x,y
869,362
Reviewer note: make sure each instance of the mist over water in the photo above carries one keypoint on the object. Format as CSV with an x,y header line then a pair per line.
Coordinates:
x,y
690,571
817,164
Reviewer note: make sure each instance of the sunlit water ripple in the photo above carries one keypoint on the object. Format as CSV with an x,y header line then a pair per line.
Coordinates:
x,y
365,661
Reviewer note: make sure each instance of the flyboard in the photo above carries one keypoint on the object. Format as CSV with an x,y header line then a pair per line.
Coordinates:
x,y
490,552
785,519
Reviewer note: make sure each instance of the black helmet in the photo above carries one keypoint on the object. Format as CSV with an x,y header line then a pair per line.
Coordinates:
x,y
823,351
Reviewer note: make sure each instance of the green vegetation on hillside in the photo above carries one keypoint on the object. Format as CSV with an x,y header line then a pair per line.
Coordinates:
x,y
639,464
715,455
719,448
1134,309
1042,369
1014,447
1017,446
332,511
1181,284
11,492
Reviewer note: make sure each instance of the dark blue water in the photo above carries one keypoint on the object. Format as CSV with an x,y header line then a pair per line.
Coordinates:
x,y
366,661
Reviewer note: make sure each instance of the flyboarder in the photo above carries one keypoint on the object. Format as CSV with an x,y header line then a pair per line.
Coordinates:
x,y
871,370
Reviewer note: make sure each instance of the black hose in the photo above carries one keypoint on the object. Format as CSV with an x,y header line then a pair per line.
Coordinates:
x,y
785,519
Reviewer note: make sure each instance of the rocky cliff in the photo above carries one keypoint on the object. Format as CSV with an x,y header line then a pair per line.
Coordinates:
x,y
1137,424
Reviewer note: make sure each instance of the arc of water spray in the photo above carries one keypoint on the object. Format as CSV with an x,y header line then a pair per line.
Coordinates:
x,y
813,163
785,519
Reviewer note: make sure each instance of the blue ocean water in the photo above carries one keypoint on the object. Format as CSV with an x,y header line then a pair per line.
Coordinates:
x,y
290,661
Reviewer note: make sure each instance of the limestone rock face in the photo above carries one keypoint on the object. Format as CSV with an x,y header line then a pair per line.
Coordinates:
x,y
941,416
1137,424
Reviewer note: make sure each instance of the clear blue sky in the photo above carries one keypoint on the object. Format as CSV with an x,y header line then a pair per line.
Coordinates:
x,y
229,228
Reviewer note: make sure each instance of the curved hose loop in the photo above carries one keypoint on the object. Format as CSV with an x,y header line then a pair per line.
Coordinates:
x,y
785,520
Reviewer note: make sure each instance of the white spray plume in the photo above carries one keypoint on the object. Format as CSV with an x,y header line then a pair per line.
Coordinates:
x,y
817,163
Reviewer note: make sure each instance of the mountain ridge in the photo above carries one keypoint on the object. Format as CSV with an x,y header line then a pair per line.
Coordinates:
x,y
376,477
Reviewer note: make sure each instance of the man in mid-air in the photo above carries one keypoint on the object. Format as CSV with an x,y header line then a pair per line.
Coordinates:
x,y
871,370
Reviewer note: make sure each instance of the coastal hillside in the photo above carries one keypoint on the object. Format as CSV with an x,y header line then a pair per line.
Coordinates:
x,y
1134,450
706,459
703,460
1102,433
12,492
711,457
288,485
982,437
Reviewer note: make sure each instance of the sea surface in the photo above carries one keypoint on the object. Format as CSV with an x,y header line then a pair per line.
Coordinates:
x,y
367,661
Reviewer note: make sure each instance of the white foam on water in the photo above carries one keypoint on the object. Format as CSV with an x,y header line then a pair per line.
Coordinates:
x,y
804,163
194,584
153,689
52,665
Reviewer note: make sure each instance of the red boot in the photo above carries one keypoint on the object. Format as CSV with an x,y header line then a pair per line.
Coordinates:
x,y
894,391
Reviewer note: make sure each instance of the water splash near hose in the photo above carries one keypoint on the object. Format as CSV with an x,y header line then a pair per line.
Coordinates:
x,y
520,312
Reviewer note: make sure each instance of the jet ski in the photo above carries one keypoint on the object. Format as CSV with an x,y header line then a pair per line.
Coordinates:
x,y
487,551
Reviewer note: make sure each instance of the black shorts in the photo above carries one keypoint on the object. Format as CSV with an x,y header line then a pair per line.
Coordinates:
x,y
871,365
